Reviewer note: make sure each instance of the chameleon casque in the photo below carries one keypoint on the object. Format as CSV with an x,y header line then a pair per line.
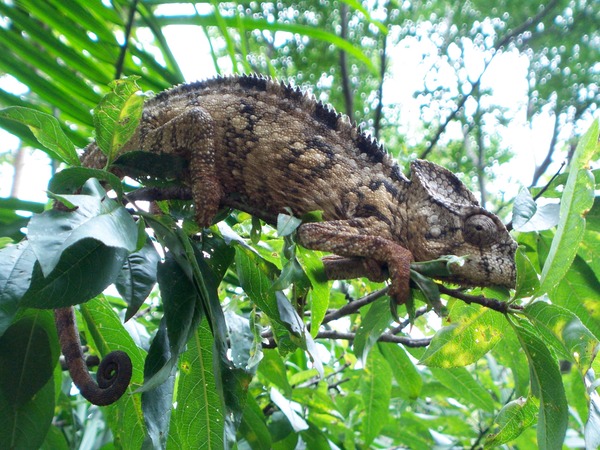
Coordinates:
x,y
262,146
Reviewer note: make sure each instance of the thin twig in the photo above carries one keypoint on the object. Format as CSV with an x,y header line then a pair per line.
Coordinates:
x,y
128,27
408,342
348,103
491,303
355,305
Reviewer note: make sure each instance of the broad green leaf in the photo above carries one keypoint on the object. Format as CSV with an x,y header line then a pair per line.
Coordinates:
x,y
465,387
117,116
16,266
28,355
253,427
374,323
546,385
241,340
70,180
138,277
528,216
559,324
576,201
473,332
26,426
95,217
527,277
180,302
84,270
157,401
589,249
508,353
252,272
406,374
198,420
318,296
578,292
105,332
510,422
430,293
315,438
286,407
287,224
375,387
298,331
48,132
272,368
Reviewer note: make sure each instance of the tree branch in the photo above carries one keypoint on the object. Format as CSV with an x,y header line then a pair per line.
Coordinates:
x,y
491,303
408,342
128,27
475,84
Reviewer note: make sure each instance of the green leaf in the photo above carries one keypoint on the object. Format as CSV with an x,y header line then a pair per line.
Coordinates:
x,y
527,277
528,216
48,132
27,358
253,427
157,402
272,368
26,426
576,201
473,332
578,292
117,116
95,217
252,272
406,374
287,224
375,387
180,302
70,180
198,420
374,323
511,421
84,270
430,291
546,385
559,324
16,266
318,297
465,387
138,277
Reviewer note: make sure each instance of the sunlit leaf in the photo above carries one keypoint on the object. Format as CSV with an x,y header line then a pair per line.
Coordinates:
x,y
473,331
375,387
47,130
546,385
510,422
576,201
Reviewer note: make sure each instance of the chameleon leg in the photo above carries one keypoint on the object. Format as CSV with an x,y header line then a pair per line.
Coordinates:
x,y
344,239
190,134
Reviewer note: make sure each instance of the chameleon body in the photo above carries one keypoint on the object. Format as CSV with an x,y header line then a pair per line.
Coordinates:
x,y
266,148
263,147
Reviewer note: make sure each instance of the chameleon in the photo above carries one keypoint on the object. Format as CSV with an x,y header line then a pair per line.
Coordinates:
x,y
266,147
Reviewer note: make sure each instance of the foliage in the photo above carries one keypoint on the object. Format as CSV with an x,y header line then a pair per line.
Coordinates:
x,y
234,324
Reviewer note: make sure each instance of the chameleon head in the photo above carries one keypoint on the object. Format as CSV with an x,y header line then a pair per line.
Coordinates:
x,y
446,219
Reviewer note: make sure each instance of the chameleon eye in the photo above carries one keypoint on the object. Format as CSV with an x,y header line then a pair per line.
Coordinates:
x,y
480,229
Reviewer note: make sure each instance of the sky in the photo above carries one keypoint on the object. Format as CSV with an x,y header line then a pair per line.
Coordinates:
x,y
506,77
